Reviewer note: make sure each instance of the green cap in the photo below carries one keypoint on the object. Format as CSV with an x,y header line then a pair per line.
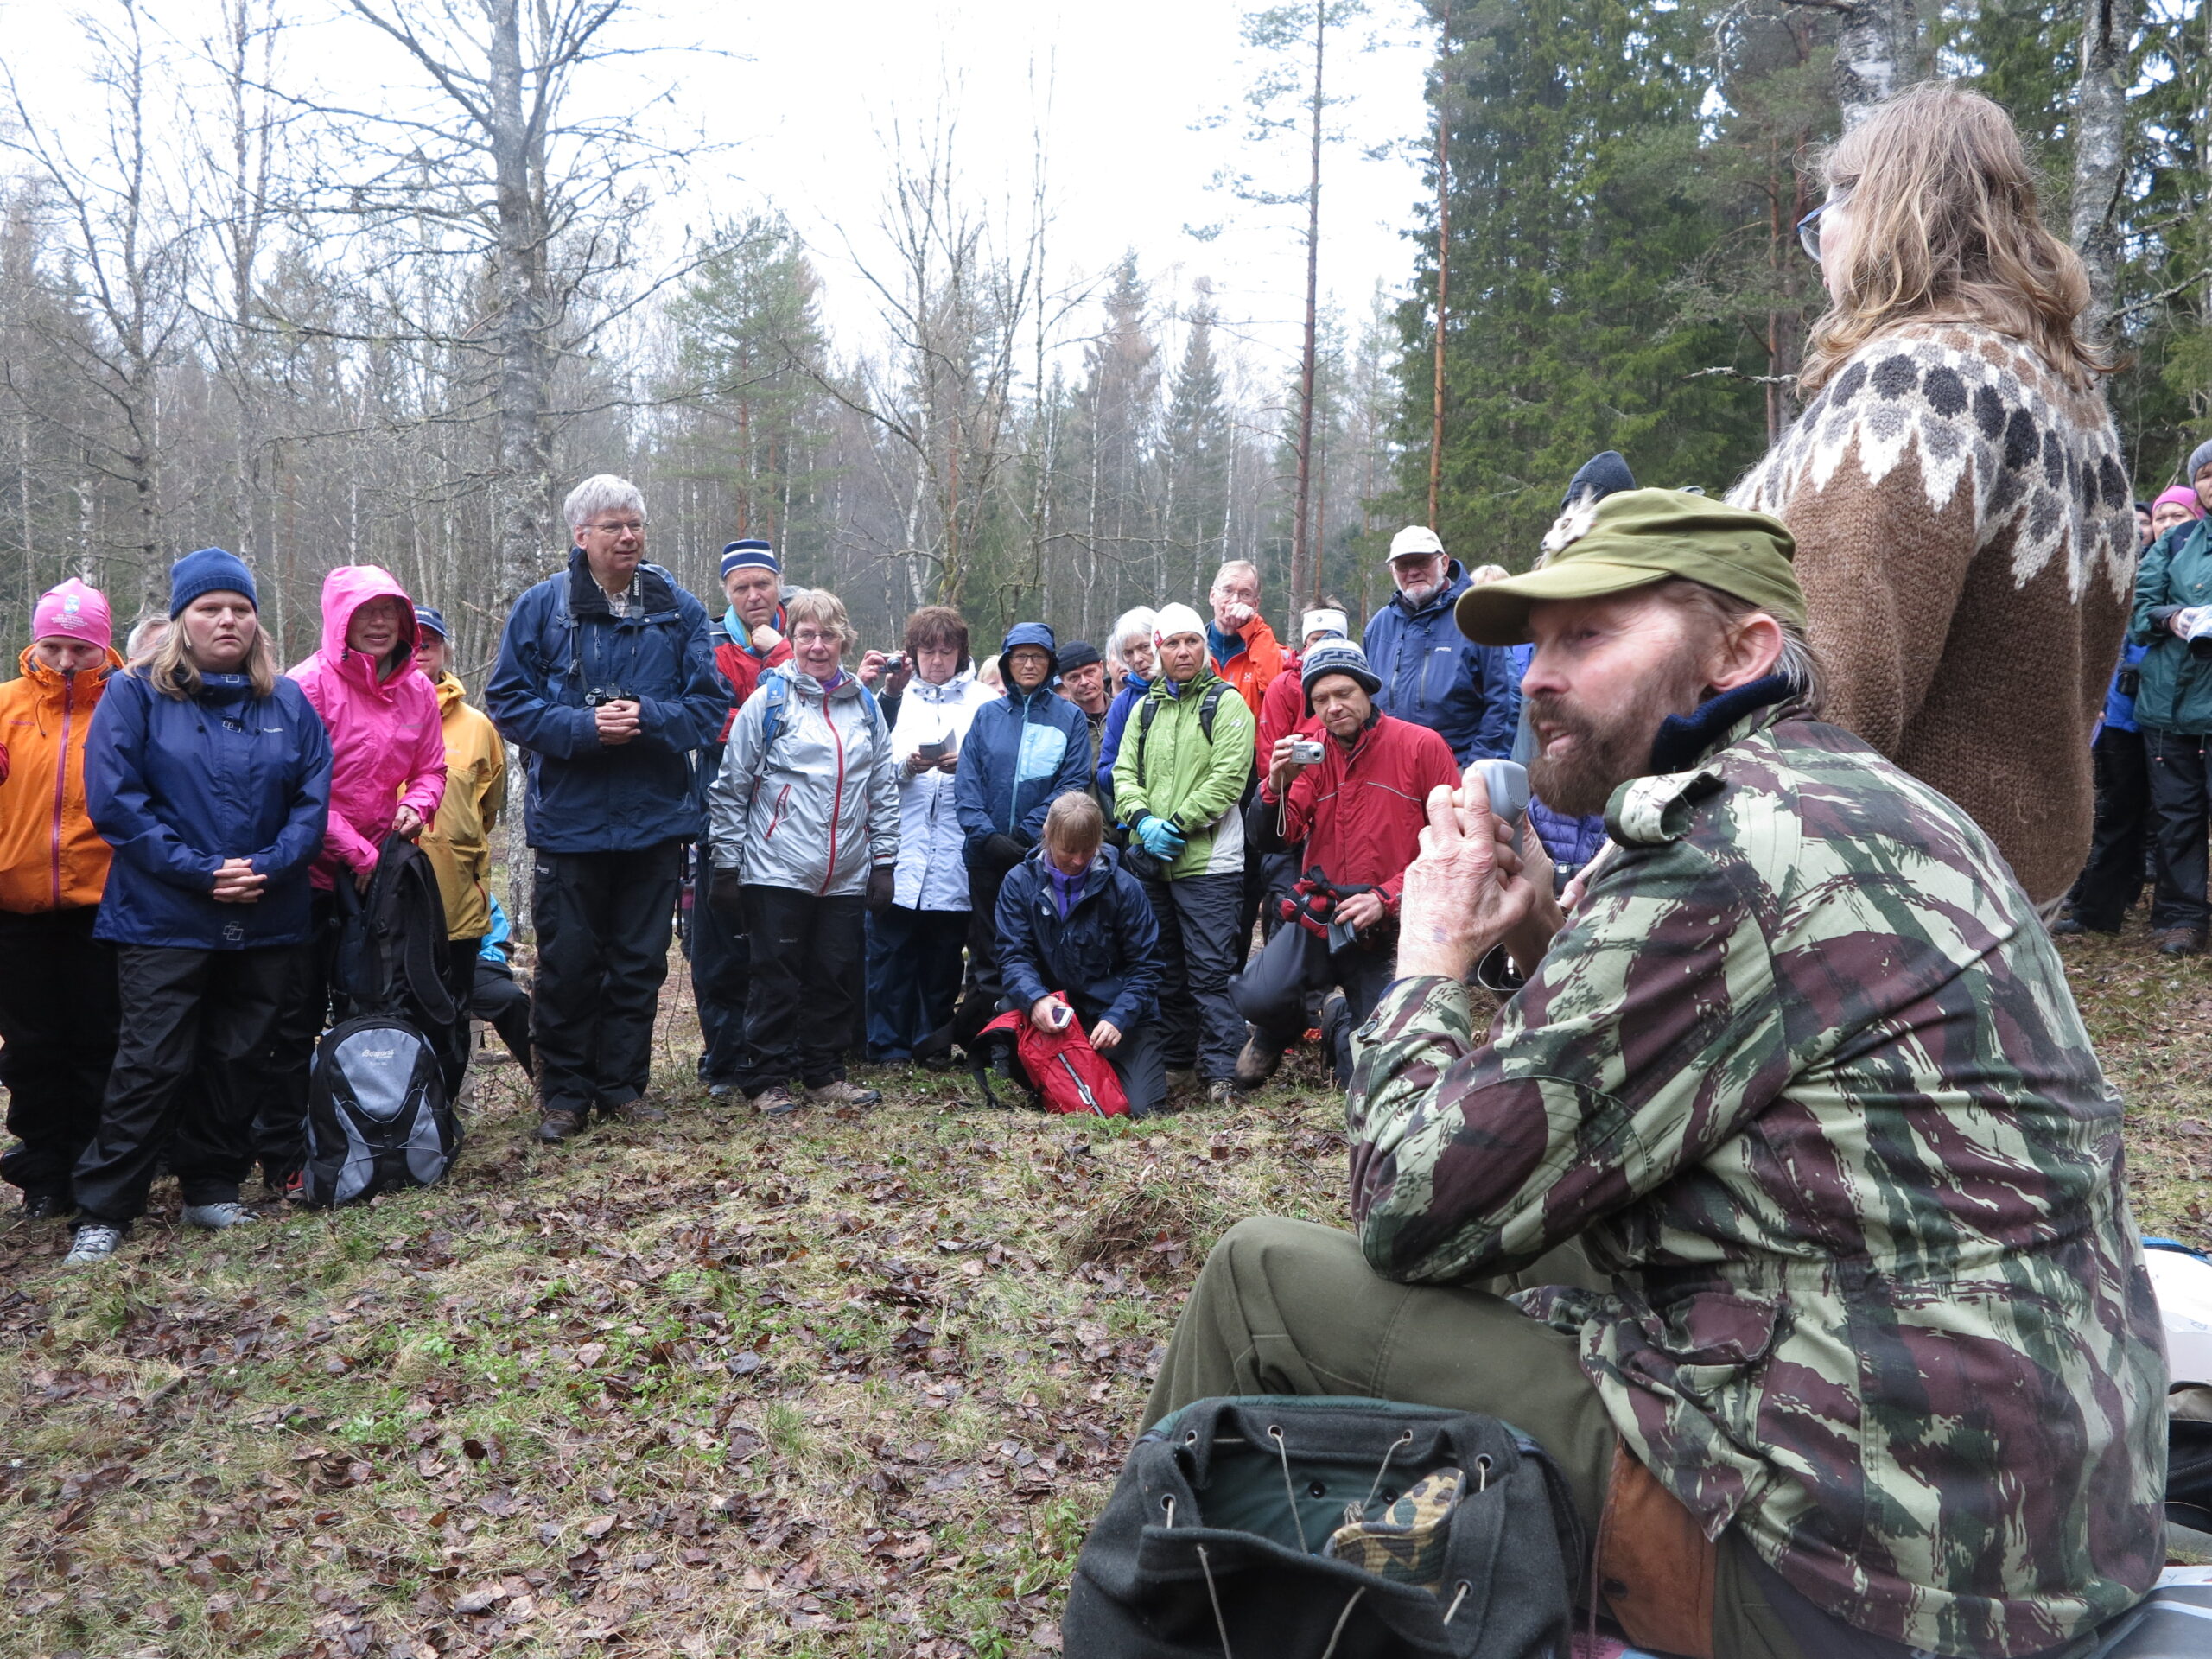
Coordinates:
x,y
1639,537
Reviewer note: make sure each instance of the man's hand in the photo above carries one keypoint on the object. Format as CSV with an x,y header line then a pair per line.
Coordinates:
x,y
1458,900
617,721
237,884
765,639
1105,1035
1533,866
1282,770
1361,911
1046,1012
882,888
407,822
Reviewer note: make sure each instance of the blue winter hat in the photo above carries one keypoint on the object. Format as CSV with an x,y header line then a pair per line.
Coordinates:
x,y
211,570
1335,657
429,619
750,552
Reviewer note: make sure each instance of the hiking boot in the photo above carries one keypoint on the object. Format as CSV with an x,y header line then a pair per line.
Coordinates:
x,y
2181,942
1258,1062
45,1207
94,1243
1181,1080
1222,1092
214,1217
720,1091
776,1101
634,1111
841,1093
555,1127
2067,927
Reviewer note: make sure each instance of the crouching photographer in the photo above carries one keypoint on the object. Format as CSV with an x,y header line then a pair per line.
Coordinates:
x,y
1351,803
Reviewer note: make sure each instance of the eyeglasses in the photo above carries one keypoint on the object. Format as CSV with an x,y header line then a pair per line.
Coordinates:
x,y
810,637
1808,228
635,526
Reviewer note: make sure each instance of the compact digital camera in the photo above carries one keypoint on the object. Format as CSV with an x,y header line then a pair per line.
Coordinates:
x,y
600,693
1307,751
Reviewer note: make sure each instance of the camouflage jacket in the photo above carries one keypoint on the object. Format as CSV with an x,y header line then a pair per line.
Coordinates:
x,y
1803,1073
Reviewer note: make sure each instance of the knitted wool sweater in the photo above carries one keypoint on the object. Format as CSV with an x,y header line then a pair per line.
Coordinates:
x,y
1966,537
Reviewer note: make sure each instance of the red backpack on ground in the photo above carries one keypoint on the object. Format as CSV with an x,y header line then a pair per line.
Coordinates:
x,y
1065,1071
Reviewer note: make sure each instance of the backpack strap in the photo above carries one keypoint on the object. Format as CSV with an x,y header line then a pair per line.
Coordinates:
x,y
565,620
777,692
1209,706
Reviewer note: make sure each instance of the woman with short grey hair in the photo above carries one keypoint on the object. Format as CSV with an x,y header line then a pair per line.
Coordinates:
x,y
1129,644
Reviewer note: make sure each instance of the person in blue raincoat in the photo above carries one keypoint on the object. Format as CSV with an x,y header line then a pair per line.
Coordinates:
x,y
1024,750
605,676
1432,673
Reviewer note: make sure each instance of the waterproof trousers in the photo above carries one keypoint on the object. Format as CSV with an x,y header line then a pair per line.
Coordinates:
x,y
57,1018
2179,819
193,1038
1290,1307
721,974
913,976
806,967
2111,881
604,921
1198,918
496,999
279,1120
1272,991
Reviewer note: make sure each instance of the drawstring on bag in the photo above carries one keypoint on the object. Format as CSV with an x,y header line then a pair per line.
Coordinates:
x,y
1214,1596
1289,1490
1355,1513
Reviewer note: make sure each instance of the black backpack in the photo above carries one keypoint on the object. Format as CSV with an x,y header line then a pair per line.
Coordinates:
x,y
377,1114
1214,1541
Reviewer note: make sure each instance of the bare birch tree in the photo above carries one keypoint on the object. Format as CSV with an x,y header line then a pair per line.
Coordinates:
x,y
2100,152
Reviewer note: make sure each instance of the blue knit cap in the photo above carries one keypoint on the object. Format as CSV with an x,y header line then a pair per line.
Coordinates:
x,y
211,570
751,551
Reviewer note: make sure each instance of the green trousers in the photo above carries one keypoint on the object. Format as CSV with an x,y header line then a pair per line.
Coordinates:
x,y
1289,1307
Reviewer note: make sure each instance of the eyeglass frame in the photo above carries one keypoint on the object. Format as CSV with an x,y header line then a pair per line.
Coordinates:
x,y
1808,228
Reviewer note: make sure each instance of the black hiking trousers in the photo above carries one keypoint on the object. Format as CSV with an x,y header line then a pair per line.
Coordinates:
x,y
57,1018
808,959
193,1039
604,921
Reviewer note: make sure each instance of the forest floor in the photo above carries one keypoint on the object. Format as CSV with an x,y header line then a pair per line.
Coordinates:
x,y
851,1384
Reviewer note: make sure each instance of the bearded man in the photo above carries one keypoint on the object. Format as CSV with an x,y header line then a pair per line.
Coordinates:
x,y
1868,1361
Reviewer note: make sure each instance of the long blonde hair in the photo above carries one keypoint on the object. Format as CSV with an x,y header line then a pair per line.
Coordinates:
x,y
171,671
1944,208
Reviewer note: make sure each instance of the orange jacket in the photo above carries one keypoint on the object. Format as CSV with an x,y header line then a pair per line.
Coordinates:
x,y
51,858
1253,669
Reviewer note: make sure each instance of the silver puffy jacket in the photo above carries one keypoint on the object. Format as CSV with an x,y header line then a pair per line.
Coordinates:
x,y
820,808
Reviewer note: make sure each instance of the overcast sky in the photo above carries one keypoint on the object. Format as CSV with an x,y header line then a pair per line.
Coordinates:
x,y
805,98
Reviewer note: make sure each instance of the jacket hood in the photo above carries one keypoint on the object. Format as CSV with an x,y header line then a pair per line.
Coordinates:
x,y
1030,633
49,681
848,686
348,587
952,690
450,691
1096,878
1169,691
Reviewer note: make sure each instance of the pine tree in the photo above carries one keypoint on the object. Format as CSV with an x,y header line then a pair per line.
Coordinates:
x,y
1118,424
1198,441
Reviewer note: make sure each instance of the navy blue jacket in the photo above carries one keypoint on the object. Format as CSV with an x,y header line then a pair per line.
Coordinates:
x,y
1105,956
178,787
1022,753
1434,675
585,796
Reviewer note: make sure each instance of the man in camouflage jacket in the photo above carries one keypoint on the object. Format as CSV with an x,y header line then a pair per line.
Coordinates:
x,y
1803,1080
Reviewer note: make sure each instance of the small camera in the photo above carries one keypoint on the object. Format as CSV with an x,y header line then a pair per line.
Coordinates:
x,y
895,662
600,695
1307,751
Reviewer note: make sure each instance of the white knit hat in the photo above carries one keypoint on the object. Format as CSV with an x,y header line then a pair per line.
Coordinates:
x,y
1177,619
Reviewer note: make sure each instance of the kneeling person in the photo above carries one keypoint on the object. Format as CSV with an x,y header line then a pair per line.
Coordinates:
x,y
1802,1078
1071,919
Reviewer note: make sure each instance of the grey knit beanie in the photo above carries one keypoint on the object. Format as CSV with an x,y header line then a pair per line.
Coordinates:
x,y
2199,458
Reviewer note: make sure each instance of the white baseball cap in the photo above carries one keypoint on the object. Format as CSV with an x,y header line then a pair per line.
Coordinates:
x,y
1324,621
1414,541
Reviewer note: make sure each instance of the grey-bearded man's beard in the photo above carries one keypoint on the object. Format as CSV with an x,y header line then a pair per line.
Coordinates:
x,y
1603,758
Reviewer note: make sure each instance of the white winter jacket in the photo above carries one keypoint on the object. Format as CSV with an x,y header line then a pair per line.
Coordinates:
x,y
820,807
933,874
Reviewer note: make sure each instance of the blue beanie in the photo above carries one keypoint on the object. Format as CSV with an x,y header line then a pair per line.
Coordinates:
x,y
211,570
751,551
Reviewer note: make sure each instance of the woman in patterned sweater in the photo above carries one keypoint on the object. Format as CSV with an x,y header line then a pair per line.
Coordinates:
x,y
1965,528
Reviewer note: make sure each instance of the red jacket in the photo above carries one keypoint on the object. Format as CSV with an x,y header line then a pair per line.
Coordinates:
x,y
743,671
1360,814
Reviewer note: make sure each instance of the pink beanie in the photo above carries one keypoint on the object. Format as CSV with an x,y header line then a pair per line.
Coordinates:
x,y
73,611
2182,496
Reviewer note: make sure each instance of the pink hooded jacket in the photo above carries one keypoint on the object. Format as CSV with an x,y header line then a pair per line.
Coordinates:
x,y
387,745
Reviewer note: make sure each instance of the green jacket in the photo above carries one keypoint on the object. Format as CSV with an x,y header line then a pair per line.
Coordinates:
x,y
1803,1074
1193,784
2176,695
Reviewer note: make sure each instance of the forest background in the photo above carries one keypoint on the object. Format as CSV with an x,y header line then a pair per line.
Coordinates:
x,y
234,310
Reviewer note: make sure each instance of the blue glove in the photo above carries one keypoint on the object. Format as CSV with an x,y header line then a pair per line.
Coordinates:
x,y
1159,838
